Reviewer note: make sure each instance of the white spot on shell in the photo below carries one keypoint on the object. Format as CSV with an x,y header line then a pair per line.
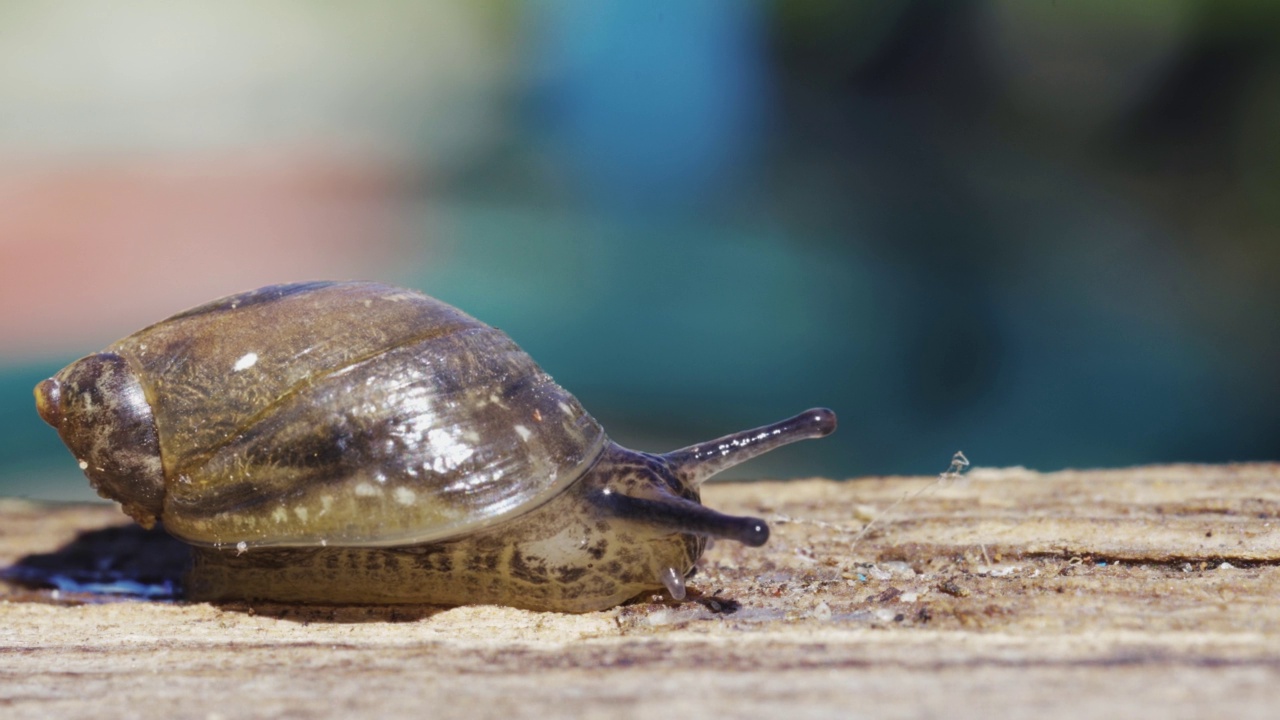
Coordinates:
x,y
565,408
326,503
84,465
364,489
447,452
245,362
523,432
242,547
301,512
324,543
405,496
280,515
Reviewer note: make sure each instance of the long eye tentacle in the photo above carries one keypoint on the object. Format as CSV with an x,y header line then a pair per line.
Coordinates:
x,y
696,463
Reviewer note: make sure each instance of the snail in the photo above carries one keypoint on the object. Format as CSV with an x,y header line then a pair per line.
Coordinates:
x,y
350,442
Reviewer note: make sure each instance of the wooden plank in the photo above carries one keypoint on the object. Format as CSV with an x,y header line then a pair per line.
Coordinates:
x,y
1146,592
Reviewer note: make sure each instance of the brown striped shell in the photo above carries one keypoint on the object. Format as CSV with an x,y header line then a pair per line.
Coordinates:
x,y
352,414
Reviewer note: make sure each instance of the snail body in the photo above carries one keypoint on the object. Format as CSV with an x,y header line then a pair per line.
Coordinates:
x,y
355,442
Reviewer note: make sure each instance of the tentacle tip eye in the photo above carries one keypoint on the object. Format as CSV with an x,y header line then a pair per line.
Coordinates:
x,y
823,421
754,533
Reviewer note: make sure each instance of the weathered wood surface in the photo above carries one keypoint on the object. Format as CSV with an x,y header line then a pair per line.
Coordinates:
x,y
1148,592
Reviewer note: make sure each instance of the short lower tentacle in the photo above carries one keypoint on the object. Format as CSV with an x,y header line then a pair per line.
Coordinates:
x,y
673,581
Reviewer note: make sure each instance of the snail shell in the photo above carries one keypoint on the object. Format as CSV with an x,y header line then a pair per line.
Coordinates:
x,y
355,442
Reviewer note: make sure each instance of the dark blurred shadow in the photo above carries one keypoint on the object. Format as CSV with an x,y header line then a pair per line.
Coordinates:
x,y
126,561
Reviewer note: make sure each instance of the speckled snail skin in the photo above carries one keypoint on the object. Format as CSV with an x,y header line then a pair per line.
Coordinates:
x,y
360,443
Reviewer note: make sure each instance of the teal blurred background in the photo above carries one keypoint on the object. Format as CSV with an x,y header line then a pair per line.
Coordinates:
x,y
1044,233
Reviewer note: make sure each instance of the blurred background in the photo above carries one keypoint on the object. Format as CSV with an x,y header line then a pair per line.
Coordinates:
x,y
1046,233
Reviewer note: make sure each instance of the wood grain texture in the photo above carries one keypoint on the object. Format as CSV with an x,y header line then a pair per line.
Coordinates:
x,y
1145,592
